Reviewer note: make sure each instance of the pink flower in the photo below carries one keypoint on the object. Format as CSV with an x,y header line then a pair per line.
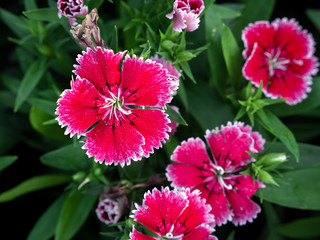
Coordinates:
x,y
109,210
280,55
186,14
174,215
172,71
114,99
227,191
71,9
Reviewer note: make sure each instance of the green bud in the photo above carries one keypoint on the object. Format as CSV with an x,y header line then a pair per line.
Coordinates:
x,y
266,178
79,176
272,160
185,56
167,44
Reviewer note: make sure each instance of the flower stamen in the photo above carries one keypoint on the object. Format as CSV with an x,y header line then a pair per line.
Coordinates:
x,y
116,104
274,62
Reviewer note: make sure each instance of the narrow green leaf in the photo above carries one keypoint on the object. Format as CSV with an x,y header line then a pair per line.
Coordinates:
x,y
301,229
217,66
30,4
272,220
47,106
45,227
175,116
114,40
6,161
34,184
225,12
272,124
314,16
15,23
30,80
298,189
186,68
94,4
70,157
254,10
44,14
182,94
74,213
232,57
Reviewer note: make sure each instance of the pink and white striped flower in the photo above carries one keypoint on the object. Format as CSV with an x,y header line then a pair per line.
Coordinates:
x,y
185,14
281,55
173,215
109,210
126,104
219,182
71,9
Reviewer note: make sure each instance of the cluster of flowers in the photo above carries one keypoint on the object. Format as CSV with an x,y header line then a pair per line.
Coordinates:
x,y
117,102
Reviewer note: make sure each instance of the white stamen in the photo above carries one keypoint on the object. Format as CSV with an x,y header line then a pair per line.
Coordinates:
x,y
116,104
274,62
223,184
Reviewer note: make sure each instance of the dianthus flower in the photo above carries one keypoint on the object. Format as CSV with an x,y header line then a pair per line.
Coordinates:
x,y
280,55
171,71
71,9
174,215
186,14
126,104
219,182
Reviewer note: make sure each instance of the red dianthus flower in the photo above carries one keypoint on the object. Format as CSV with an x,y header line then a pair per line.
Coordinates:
x,y
219,182
174,215
124,102
280,55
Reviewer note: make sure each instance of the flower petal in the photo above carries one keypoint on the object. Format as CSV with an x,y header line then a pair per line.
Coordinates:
x,y
196,213
135,235
152,124
243,207
101,68
200,233
160,210
229,146
145,83
117,143
192,165
79,107
218,202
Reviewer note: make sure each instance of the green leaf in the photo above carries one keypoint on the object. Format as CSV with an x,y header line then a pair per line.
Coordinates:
x,y
186,68
44,14
34,184
232,56
30,80
225,12
15,23
47,106
70,157
217,66
45,227
301,229
6,161
272,124
298,189
74,213
207,108
30,4
254,10
314,16
38,118
272,220
175,116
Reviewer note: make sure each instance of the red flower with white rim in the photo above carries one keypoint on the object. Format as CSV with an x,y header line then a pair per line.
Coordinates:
x,y
173,215
280,55
71,9
126,104
186,14
219,182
